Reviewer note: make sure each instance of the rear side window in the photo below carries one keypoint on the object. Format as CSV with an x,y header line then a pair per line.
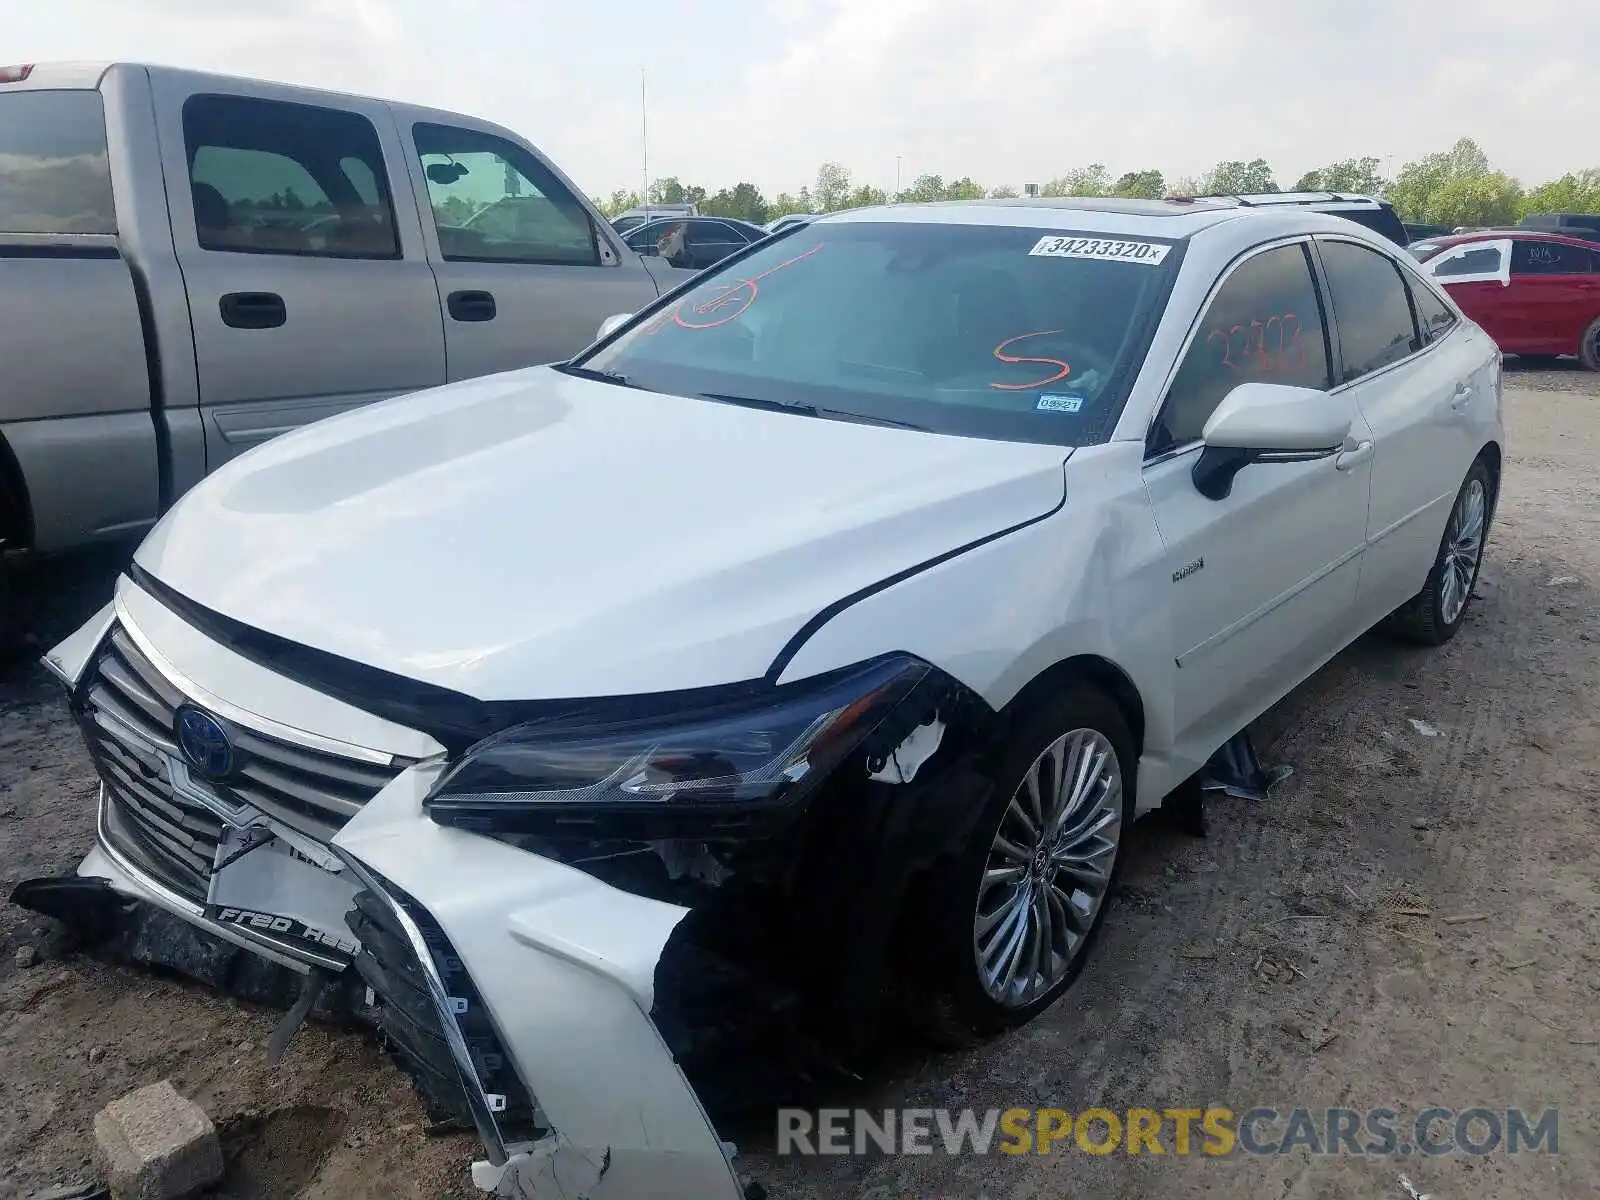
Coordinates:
x,y
1433,314
54,174
1370,308
1530,257
711,233
1263,325
268,177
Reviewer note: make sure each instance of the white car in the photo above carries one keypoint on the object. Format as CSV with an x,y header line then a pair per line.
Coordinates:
x,y
830,620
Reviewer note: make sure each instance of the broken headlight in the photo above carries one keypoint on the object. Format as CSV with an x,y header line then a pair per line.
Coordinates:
x,y
731,770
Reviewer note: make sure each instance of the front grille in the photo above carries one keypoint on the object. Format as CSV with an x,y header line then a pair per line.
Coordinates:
x,y
127,709
410,1017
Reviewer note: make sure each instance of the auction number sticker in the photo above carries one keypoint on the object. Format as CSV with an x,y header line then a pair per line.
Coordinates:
x,y
1151,254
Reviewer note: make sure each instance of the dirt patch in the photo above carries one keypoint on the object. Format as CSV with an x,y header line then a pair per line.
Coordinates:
x,y
1408,921
275,1155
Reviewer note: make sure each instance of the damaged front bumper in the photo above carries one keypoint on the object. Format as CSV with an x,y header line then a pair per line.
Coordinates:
x,y
539,977
516,990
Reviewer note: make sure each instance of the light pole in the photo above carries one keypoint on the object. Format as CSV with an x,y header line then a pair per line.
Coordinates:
x,y
897,177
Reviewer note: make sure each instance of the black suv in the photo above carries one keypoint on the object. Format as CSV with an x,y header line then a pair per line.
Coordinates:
x,y
1578,225
1377,215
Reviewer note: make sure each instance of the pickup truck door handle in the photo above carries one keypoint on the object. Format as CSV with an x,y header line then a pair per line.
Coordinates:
x,y
471,306
253,310
1354,456
1463,394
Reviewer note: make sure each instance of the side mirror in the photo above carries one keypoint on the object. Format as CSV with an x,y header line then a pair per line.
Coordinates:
x,y
611,324
1269,422
444,174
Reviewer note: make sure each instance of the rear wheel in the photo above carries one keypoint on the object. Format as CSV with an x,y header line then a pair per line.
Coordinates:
x,y
1016,915
1436,612
1589,348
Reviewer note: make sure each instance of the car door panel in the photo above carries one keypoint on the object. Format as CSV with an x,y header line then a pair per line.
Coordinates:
x,y
1411,367
1264,579
1478,277
538,269
1263,584
302,305
1551,285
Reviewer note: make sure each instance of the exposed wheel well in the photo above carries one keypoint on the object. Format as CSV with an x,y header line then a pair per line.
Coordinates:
x,y
1490,456
16,518
1101,672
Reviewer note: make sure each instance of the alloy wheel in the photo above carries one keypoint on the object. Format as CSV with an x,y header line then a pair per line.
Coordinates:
x,y
1049,868
1463,548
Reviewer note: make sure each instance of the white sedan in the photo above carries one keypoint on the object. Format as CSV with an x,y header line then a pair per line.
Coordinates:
x,y
826,624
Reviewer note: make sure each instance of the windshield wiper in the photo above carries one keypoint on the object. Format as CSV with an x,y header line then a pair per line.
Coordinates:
x,y
567,368
811,410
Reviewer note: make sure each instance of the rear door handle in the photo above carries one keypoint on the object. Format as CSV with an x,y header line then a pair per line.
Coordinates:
x,y
1463,394
253,310
471,306
1354,457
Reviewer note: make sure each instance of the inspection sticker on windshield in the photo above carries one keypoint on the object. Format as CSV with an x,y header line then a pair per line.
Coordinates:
x,y
1058,402
1151,254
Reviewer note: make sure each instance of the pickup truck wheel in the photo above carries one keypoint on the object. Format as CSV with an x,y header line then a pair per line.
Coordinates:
x,y
1018,911
1589,348
1432,617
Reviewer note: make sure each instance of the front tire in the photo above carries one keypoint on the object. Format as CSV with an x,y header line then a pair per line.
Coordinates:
x,y
1017,913
1432,617
1589,348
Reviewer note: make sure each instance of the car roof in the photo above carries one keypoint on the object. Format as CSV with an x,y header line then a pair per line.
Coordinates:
x,y
1111,216
1094,214
1516,235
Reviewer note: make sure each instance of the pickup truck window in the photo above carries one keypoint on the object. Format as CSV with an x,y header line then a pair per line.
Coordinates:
x,y
54,175
492,201
269,177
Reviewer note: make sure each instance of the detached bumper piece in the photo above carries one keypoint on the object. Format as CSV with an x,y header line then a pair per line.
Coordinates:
x,y
436,1022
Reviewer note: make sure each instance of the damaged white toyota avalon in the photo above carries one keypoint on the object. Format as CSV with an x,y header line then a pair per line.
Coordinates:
x,y
801,651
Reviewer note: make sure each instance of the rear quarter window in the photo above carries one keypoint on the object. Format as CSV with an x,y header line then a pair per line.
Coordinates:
x,y
54,173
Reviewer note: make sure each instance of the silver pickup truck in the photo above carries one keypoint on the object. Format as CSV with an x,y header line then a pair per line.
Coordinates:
x,y
190,264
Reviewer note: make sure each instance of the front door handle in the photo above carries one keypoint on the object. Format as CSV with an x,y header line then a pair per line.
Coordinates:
x,y
471,306
253,310
1354,457
1462,396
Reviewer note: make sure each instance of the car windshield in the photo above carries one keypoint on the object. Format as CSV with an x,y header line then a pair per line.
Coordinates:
x,y
1422,251
979,330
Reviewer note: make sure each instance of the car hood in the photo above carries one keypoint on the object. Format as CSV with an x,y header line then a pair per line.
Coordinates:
x,y
532,535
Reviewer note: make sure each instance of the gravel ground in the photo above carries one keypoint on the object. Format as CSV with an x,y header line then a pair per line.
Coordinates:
x,y
1406,922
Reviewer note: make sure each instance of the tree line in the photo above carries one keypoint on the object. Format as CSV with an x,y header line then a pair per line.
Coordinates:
x,y
1454,187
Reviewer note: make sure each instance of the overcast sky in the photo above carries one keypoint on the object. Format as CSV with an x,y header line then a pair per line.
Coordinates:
x,y
1007,91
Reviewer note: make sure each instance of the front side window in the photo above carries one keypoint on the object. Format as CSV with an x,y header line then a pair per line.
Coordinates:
x,y
1370,308
985,331
54,174
648,237
1532,257
1263,325
268,177
1478,261
493,201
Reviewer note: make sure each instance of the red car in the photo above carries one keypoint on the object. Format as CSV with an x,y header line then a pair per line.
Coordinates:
x,y
1537,294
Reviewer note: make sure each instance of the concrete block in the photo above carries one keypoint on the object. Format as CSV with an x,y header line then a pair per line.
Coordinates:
x,y
154,1145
